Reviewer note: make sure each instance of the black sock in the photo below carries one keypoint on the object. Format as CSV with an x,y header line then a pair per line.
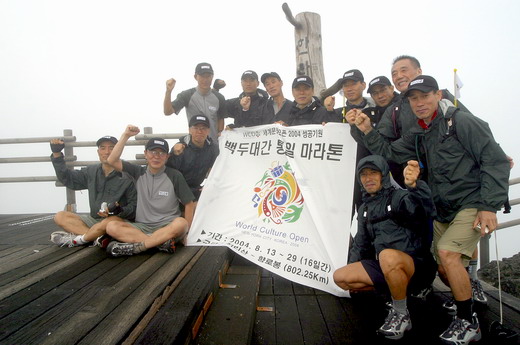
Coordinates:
x,y
465,309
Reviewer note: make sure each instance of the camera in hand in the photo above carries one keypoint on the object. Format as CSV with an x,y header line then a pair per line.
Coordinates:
x,y
112,208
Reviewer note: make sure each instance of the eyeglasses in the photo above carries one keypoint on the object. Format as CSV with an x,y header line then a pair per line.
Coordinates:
x,y
158,153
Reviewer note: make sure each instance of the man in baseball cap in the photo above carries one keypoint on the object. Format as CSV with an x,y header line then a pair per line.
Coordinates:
x,y
161,190
194,154
467,189
250,107
353,85
306,108
105,187
201,99
277,103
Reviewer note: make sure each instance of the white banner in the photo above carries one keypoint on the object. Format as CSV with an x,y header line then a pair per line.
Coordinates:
x,y
282,198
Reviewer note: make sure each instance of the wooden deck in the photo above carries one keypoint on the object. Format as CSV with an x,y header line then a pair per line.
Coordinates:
x,y
53,295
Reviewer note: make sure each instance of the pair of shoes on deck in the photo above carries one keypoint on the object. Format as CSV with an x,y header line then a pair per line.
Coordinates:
x,y
462,332
65,239
395,325
115,248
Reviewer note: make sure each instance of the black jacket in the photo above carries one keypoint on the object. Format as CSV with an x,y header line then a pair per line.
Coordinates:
x,y
466,167
392,218
255,116
194,163
314,113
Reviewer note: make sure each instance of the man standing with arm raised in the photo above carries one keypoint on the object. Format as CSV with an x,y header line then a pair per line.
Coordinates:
x,y
198,100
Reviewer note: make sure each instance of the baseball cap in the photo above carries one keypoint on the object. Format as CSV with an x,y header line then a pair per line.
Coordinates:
x,y
381,80
269,75
157,143
195,120
423,83
106,138
249,74
353,74
302,80
203,67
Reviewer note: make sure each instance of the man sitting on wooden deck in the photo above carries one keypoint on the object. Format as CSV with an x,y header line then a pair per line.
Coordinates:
x,y
391,250
159,190
104,184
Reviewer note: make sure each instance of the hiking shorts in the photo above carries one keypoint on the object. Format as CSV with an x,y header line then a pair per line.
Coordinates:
x,y
89,220
457,236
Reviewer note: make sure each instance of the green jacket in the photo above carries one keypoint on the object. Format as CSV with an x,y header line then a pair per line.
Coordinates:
x,y
101,189
466,167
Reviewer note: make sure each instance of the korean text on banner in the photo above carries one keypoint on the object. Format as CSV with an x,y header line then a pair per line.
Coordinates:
x,y
282,198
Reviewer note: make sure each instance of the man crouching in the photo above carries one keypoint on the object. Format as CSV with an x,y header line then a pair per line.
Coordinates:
x,y
392,242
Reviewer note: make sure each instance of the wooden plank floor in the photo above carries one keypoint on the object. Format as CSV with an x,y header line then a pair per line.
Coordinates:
x,y
301,315
52,295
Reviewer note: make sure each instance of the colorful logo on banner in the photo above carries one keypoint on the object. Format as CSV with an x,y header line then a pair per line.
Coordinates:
x,y
277,196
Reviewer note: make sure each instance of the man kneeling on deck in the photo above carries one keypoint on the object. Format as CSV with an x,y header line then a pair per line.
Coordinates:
x,y
105,187
159,190
391,249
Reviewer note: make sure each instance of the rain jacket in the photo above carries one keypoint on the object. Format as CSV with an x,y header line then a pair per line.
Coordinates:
x,y
466,167
392,218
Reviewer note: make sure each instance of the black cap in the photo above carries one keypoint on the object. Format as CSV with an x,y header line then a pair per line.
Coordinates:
x,y
305,80
381,80
269,75
106,138
203,67
353,74
195,120
157,143
249,74
369,165
423,83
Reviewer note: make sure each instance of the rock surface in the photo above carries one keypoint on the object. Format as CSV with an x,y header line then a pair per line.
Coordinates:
x,y
509,274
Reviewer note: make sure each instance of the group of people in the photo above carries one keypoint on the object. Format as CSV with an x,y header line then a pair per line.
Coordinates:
x,y
431,180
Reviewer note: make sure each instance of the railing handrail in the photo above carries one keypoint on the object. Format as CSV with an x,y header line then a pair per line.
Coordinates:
x,y
140,139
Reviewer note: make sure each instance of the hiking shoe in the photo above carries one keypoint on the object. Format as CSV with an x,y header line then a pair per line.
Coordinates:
x,y
395,325
102,241
423,294
115,248
478,291
461,332
450,306
64,239
168,246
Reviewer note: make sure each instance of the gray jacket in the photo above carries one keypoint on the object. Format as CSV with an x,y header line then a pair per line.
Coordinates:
x,y
101,188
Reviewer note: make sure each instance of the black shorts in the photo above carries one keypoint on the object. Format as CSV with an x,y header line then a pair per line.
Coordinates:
x,y
425,270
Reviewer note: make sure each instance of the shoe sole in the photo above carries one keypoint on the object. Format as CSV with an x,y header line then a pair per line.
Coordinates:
x,y
394,336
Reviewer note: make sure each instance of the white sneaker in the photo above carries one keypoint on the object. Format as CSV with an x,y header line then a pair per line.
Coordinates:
x,y
462,332
64,239
395,325
478,291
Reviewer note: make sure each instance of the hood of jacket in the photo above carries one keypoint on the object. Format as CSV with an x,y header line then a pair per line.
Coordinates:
x,y
377,163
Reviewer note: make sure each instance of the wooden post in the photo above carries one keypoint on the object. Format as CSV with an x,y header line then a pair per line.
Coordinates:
x,y
71,194
307,36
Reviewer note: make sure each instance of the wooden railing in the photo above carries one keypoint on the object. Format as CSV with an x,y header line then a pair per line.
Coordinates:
x,y
70,158
71,161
